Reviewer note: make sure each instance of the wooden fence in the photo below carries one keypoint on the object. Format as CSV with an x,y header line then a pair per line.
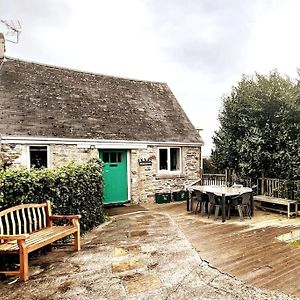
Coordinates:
x,y
273,187
280,188
222,179
213,179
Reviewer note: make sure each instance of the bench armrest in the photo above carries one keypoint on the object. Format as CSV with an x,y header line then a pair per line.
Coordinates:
x,y
14,237
60,217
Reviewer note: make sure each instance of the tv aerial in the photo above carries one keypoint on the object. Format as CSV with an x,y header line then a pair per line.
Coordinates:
x,y
14,30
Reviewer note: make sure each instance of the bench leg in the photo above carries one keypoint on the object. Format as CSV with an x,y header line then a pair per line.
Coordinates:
x,y
77,241
23,253
77,236
288,210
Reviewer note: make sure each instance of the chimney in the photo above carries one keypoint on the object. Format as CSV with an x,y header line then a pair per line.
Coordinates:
x,y
2,45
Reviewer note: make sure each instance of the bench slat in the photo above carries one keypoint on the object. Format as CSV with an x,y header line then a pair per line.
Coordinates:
x,y
35,221
45,233
12,218
44,216
51,239
1,227
19,222
34,237
29,219
24,221
39,218
40,238
7,225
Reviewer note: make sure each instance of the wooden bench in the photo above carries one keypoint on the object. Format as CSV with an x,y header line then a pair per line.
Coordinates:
x,y
261,200
28,227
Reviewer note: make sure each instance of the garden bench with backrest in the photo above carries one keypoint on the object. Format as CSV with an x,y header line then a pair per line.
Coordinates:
x,y
28,227
280,205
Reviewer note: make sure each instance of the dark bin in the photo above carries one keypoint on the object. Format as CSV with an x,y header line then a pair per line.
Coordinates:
x,y
163,198
180,196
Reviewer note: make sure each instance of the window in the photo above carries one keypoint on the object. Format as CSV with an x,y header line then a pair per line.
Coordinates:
x,y
38,156
112,157
169,159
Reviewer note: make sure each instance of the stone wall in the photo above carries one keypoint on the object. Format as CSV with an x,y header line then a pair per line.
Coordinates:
x,y
58,154
12,154
146,182
62,154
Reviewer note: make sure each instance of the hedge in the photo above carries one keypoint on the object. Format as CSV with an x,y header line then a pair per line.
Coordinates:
x,y
72,189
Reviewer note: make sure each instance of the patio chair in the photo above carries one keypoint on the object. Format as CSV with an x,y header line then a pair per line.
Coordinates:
x,y
254,189
201,202
236,185
242,203
213,202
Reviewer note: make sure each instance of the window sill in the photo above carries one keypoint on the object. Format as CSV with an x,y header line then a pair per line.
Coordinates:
x,y
169,175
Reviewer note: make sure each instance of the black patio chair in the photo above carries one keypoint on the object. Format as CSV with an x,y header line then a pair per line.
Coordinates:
x,y
213,202
201,202
254,189
242,203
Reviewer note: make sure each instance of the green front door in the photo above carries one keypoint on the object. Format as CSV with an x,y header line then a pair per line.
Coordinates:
x,y
115,176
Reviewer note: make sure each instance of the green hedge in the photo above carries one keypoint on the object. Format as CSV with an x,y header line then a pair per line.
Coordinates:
x,y
72,189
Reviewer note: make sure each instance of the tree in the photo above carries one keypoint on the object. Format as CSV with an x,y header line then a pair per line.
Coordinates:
x,y
208,166
260,127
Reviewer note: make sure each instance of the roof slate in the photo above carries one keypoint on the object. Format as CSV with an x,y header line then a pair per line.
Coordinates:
x,y
45,101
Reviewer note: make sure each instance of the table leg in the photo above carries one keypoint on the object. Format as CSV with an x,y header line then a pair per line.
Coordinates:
x,y
252,204
223,208
188,202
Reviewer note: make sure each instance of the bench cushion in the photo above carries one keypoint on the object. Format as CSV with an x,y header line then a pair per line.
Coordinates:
x,y
40,238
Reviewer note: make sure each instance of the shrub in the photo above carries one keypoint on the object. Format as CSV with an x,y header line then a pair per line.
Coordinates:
x,y
72,189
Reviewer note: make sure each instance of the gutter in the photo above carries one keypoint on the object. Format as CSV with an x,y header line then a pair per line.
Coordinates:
x,y
94,143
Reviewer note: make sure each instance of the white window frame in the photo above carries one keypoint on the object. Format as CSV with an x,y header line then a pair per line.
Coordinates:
x,y
169,160
35,145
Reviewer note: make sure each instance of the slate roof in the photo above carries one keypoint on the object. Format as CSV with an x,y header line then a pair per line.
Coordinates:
x,y
44,101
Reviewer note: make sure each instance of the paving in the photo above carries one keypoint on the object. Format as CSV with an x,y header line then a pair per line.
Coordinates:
x,y
140,253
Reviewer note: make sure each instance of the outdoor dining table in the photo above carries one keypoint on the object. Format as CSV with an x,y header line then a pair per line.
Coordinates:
x,y
223,192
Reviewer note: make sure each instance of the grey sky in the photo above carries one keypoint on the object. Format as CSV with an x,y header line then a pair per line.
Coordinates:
x,y
200,48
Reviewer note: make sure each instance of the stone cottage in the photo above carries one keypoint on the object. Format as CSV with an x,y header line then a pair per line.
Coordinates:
x,y
50,116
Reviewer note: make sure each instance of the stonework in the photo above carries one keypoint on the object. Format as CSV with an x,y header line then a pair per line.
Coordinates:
x,y
62,154
58,154
145,180
12,154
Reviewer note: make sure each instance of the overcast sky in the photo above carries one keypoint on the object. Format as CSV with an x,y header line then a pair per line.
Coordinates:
x,y
200,48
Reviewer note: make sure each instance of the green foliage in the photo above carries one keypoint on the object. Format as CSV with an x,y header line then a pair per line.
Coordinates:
x,y
260,128
72,189
209,167
296,243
